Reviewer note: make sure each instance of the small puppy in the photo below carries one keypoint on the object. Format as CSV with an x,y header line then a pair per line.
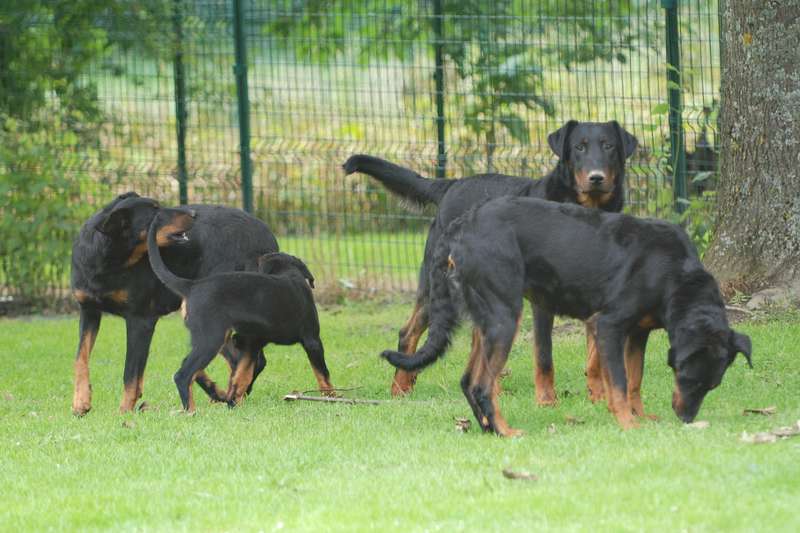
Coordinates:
x,y
274,305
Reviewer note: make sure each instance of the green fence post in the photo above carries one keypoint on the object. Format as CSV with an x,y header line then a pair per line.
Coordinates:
x,y
677,146
240,70
438,76
180,102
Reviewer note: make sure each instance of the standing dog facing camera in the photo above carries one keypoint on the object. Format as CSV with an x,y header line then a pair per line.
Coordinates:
x,y
110,274
624,276
273,305
590,172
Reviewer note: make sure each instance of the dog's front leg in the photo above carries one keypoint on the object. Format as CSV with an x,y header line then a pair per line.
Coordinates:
x,y
543,375
635,346
610,345
87,333
594,369
139,333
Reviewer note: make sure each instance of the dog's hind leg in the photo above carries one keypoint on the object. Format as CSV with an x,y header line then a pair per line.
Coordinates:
x,y
594,370
543,376
485,387
209,386
139,333
205,346
497,317
410,335
243,375
260,363
474,366
316,356
635,347
88,328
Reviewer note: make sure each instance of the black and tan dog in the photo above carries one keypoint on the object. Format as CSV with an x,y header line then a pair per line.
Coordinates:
x,y
110,274
590,172
273,305
624,276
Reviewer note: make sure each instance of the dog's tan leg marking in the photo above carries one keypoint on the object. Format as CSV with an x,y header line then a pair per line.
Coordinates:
x,y
404,380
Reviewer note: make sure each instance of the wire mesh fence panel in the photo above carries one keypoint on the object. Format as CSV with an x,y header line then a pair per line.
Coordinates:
x,y
146,96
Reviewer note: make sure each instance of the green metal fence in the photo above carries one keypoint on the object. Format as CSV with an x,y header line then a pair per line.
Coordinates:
x,y
185,90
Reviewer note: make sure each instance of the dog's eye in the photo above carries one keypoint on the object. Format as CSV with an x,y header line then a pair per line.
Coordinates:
x,y
608,147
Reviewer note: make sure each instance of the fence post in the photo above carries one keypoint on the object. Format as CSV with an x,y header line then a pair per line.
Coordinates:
x,y
180,101
240,71
677,145
438,76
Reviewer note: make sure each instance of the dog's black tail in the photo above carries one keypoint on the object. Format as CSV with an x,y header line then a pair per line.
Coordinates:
x,y
444,315
178,285
402,181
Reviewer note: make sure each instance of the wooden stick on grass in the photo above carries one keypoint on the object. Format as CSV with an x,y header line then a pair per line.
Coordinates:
x,y
295,396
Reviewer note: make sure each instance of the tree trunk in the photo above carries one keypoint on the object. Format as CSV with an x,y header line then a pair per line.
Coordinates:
x,y
757,239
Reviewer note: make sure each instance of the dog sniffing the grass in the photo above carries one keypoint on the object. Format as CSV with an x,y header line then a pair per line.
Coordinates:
x,y
273,305
623,275
590,172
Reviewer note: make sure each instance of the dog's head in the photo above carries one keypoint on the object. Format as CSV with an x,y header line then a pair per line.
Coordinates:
x,y
595,154
700,362
277,263
125,222
171,225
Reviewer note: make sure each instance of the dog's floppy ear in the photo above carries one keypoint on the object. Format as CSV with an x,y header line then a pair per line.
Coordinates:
x,y
306,272
558,139
629,142
263,262
115,222
740,343
126,195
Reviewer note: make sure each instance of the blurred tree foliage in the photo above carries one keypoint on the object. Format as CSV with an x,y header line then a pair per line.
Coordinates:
x,y
487,45
46,46
50,121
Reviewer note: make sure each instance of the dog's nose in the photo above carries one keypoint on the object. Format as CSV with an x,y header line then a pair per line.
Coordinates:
x,y
596,179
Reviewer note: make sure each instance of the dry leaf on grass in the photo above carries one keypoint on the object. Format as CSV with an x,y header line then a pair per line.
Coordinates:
x,y
551,428
758,438
700,424
7,396
773,435
128,424
462,424
511,474
766,411
574,421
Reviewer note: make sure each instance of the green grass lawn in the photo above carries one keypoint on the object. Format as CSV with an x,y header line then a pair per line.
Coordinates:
x,y
272,465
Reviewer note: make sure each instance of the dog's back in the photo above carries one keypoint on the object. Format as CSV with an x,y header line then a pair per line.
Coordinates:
x,y
575,258
277,307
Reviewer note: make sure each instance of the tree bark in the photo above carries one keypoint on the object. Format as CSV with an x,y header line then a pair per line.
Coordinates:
x,y
757,239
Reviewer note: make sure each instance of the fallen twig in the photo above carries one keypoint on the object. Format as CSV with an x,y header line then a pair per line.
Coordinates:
x,y
766,411
510,474
296,396
739,309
